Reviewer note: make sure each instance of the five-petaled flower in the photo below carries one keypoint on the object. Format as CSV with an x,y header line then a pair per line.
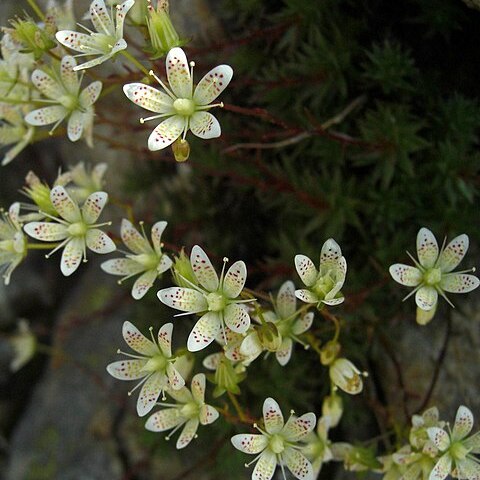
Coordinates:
x,y
190,410
76,229
184,107
216,299
277,444
145,258
13,244
106,41
323,285
432,274
155,365
457,451
66,100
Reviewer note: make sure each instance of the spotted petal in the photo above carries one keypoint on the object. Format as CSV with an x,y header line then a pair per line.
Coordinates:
x,y
148,97
237,318
286,301
212,84
72,256
303,324
427,248
334,301
69,77
166,133
175,380
329,256
122,267
235,279
188,433
453,253
133,239
426,298
143,284
46,115
405,274
306,270
178,73
284,353
46,231
306,296
184,299
211,362
459,283
127,369
298,428
120,15
64,205
272,416
165,339
93,206
463,423
265,467
101,19
44,83
296,462
204,332
99,242
150,392
203,269
100,59
163,420
137,341
205,125
157,231
468,469
76,125
442,468
81,42
439,437
90,94
208,414
165,264
181,395
198,387
250,443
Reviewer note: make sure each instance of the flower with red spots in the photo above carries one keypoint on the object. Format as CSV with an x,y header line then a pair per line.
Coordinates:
x,y
215,299
278,443
432,274
183,106
74,228
155,365
189,411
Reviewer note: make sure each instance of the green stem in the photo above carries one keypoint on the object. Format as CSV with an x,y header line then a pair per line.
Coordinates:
x,y
42,246
132,59
33,4
237,406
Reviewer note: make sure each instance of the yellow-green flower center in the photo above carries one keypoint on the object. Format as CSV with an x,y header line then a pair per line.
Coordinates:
x,y
70,102
323,285
184,106
148,260
157,363
432,276
276,444
216,302
103,42
77,229
458,451
189,410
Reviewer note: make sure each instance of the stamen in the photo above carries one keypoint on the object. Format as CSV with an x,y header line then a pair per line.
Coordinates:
x,y
57,123
192,64
105,29
280,461
85,28
58,247
138,385
169,93
154,117
207,107
173,431
155,343
138,357
253,461
415,262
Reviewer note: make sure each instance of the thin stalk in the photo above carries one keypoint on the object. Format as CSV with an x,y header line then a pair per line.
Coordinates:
x,y
34,6
135,62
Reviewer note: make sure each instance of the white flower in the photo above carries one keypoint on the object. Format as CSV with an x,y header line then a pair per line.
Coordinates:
x,y
183,106
278,443
24,345
433,274
457,450
317,448
106,41
60,17
14,130
323,285
345,375
13,244
66,101
145,258
76,229
82,181
287,322
190,411
155,366
218,298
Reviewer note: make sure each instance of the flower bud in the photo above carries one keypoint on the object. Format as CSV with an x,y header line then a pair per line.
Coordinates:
x,y
269,336
227,378
40,194
182,271
345,375
181,150
31,36
332,407
329,352
162,33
